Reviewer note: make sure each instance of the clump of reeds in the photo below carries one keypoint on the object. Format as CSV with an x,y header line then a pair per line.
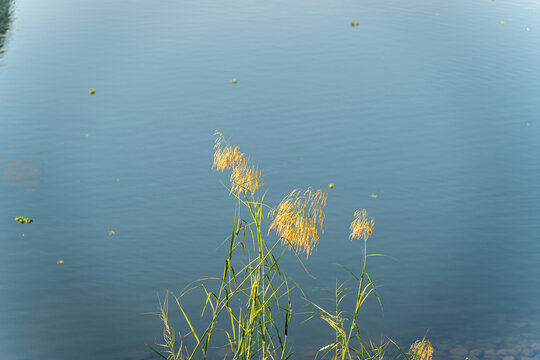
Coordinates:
x,y
252,290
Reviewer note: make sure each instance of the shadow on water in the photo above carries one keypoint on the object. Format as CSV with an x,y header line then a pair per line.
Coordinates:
x,y
6,12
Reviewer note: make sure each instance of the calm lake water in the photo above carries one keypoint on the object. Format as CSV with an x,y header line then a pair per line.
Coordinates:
x,y
433,106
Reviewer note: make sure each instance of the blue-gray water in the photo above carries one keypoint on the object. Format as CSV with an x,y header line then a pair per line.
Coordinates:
x,y
432,106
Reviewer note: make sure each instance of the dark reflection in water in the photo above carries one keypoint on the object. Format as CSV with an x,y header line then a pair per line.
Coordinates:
x,y
6,10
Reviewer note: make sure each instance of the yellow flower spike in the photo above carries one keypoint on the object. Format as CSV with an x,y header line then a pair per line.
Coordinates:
x,y
225,156
422,349
245,177
298,218
362,226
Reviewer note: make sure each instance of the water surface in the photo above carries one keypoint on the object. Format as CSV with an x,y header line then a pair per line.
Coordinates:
x,y
431,106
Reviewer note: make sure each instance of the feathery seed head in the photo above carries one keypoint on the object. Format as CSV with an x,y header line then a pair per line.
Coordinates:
x,y
245,177
361,225
298,218
225,156
423,350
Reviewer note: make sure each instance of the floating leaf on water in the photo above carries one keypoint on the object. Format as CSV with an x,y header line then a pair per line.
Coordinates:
x,y
373,196
354,23
92,91
111,232
503,23
23,220
60,262
331,186
234,81
527,29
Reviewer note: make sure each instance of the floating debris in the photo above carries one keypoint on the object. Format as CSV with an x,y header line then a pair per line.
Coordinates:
x,y
331,186
86,135
503,23
111,232
354,23
92,91
373,196
234,81
23,220
60,262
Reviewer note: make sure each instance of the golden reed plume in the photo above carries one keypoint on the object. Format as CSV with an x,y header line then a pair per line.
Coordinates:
x,y
298,218
361,225
244,177
423,350
225,156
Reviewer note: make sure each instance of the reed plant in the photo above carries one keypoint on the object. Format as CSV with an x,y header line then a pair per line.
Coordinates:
x,y
249,305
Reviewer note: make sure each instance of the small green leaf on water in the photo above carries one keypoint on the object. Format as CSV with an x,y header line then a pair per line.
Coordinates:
x,y
527,29
60,262
92,91
354,23
23,220
331,186
373,196
234,81
111,232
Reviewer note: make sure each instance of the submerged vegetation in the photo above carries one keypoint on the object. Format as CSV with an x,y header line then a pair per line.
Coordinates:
x,y
249,305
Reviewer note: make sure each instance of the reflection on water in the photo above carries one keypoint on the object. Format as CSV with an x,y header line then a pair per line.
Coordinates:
x,y
6,9
18,169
